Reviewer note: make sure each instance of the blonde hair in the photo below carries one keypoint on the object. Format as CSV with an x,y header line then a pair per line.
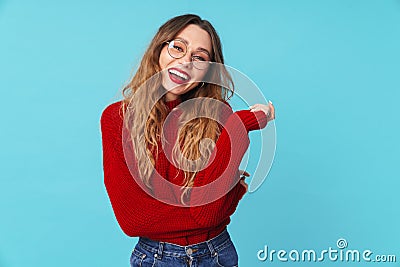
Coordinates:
x,y
147,129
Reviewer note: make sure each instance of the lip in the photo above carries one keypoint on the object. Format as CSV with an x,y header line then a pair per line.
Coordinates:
x,y
176,79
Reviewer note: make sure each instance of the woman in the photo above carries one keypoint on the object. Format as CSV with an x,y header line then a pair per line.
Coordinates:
x,y
166,185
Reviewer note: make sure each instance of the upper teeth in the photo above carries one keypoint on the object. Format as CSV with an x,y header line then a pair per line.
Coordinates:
x,y
180,74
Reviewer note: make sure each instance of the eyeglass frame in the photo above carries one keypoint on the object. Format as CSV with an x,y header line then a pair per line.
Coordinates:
x,y
192,61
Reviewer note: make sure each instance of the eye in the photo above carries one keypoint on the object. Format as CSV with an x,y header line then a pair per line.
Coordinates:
x,y
198,58
178,48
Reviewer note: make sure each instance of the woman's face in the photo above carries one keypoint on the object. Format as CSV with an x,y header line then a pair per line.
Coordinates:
x,y
178,77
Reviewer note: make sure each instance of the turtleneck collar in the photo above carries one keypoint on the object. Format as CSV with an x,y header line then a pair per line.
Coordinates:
x,y
173,103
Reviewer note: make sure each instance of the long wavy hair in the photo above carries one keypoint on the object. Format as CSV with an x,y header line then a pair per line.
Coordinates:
x,y
144,119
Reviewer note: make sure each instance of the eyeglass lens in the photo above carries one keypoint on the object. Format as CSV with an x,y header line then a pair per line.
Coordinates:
x,y
178,49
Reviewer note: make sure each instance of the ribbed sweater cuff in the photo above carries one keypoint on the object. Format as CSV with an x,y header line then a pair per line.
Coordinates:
x,y
253,120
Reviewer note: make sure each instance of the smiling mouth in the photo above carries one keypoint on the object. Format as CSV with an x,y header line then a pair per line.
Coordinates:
x,y
178,76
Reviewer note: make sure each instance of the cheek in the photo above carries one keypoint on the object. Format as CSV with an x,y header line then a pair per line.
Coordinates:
x,y
199,75
164,59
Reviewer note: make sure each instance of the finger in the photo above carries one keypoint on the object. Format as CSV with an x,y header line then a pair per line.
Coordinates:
x,y
244,173
271,107
273,111
255,106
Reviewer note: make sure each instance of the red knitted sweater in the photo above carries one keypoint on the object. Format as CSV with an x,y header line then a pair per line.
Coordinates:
x,y
139,214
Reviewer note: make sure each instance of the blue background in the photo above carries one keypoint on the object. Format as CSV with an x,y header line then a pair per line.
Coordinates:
x,y
330,67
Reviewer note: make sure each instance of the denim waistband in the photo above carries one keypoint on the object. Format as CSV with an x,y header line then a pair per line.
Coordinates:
x,y
205,248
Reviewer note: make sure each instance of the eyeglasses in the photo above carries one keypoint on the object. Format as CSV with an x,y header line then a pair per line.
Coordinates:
x,y
177,49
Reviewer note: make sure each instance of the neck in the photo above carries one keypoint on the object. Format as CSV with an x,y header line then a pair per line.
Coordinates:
x,y
170,97
172,103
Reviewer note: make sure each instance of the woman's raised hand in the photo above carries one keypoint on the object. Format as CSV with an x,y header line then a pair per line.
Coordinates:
x,y
243,175
269,110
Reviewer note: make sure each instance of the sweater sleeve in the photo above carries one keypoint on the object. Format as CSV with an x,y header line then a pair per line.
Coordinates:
x,y
223,170
117,179
132,206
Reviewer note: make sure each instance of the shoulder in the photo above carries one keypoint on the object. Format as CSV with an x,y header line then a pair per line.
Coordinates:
x,y
226,111
112,113
226,103
112,110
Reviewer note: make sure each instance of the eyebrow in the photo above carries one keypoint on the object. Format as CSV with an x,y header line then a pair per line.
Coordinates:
x,y
198,49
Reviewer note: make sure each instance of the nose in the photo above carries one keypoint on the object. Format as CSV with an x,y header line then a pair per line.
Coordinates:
x,y
186,59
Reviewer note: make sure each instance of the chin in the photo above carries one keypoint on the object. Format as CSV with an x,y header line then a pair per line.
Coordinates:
x,y
179,89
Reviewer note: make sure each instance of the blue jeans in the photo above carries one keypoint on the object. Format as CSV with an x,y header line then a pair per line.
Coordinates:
x,y
218,251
